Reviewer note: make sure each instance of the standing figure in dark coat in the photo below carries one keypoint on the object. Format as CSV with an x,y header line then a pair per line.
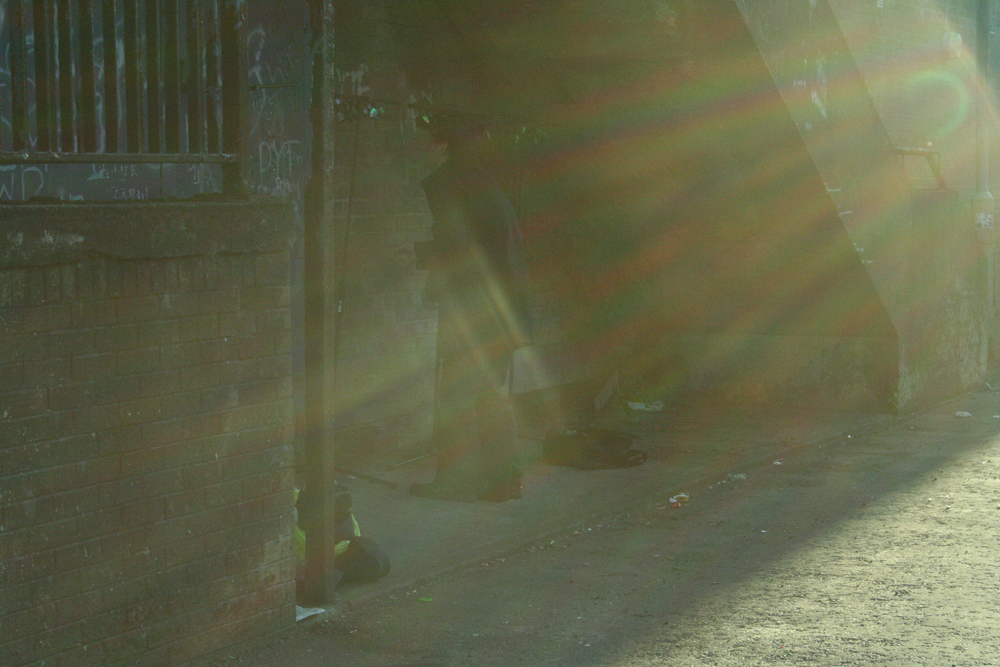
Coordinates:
x,y
478,279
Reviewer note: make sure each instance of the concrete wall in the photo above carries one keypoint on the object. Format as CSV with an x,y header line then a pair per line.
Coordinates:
x,y
145,431
918,63
884,81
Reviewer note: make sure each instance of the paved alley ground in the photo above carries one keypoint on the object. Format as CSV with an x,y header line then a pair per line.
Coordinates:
x,y
873,547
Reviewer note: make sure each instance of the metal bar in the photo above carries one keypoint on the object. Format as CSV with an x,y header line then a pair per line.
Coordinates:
x,y
67,76
44,75
154,80
109,30
235,93
320,315
171,78
196,79
133,80
36,157
18,74
212,55
88,82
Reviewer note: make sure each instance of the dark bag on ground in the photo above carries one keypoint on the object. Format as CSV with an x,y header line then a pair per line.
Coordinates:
x,y
591,449
363,562
359,559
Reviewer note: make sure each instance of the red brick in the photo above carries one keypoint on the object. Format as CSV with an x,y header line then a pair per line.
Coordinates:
x,y
183,404
88,655
199,328
99,523
53,283
127,541
237,324
116,338
158,384
94,367
143,512
69,277
48,372
252,347
96,418
72,342
203,474
36,286
218,301
121,491
98,471
274,367
11,363
142,411
92,314
11,321
127,646
237,372
72,396
141,360
18,288
117,389
182,355
31,429
169,531
25,623
222,349
101,626
110,278
23,348
263,298
201,377
141,309
184,504
155,334
75,608
272,269
23,403
221,398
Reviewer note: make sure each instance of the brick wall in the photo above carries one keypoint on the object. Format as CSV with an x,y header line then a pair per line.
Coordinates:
x,y
387,336
145,432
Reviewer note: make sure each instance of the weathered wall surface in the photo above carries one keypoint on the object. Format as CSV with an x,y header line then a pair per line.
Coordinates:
x,y
918,64
278,151
857,95
386,336
145,431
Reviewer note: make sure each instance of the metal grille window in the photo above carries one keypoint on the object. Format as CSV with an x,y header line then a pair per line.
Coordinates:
x,y
140,81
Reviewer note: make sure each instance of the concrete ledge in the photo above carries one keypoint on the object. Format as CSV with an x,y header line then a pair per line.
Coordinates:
x,y
36,234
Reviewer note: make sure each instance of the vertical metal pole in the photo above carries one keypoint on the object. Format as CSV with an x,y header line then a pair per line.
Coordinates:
x,y
154,77
212,55
67,78
235,94
45,79
133,78
984,219
196,79
320,313
88,82
19,75
109,30
171,78
982,200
